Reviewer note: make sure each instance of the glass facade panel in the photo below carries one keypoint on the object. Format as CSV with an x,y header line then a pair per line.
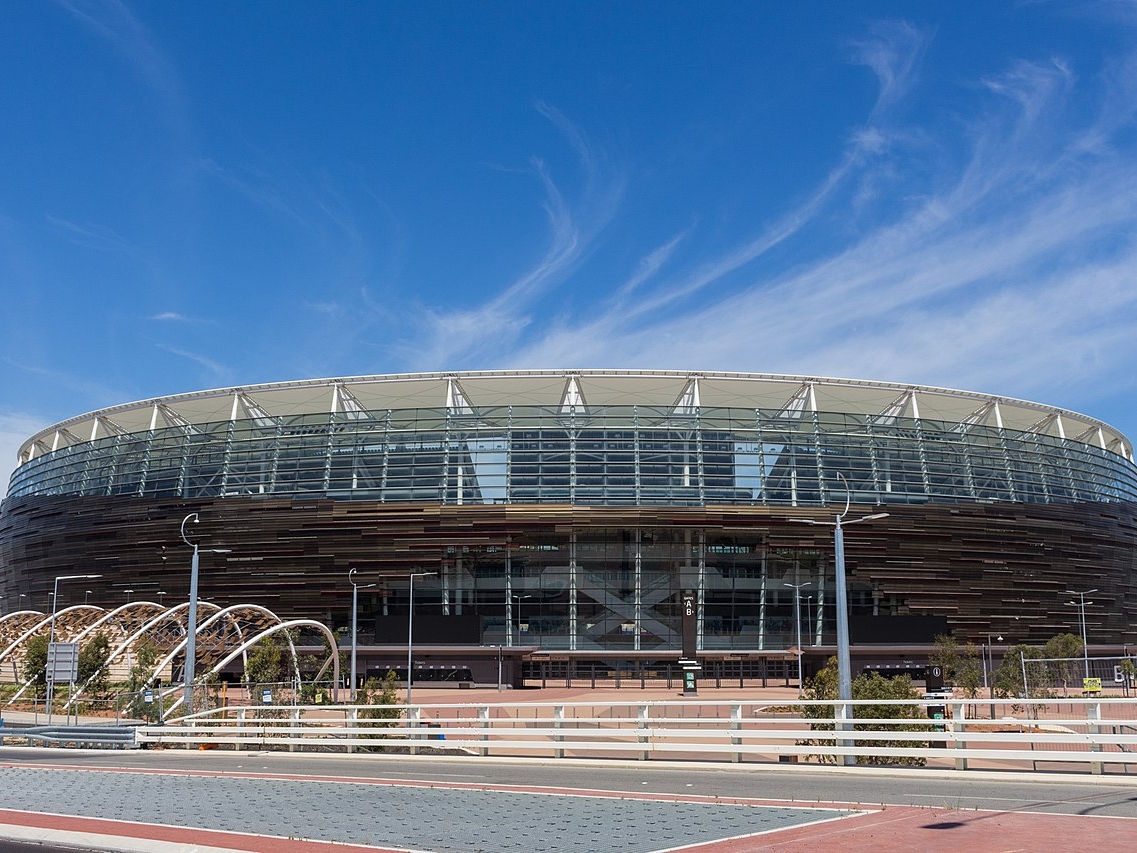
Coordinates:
x,y
605,456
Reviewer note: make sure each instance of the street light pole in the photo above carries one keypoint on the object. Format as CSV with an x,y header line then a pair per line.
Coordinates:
x,y
1081,604
49,677
797,588
191,622
844,665
354,631
410,637
989,664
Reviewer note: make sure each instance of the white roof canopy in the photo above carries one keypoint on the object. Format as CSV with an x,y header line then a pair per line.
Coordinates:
x,y
561,390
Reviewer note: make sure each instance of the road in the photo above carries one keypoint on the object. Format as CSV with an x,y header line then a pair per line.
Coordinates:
x,y
970,802
1059,794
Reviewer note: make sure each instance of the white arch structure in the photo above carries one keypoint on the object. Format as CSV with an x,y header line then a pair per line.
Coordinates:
x,y
42,624
128,643
17,621
333,657
137,620
180,648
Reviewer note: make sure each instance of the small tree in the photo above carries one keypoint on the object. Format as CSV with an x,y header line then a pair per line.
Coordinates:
x,y
265,664
1008,678
35,663
946,656
1128,673
868,686
1065,650
145,659
93,664
969,672
383,696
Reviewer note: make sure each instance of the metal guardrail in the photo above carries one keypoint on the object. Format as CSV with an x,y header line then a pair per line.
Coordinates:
x,y
1090,732
89,737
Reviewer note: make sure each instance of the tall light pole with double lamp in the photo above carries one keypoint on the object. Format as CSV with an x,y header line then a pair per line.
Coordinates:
x,y
410,637
797,588
354,630
191,622
844,666
989,664
50,676
1081,604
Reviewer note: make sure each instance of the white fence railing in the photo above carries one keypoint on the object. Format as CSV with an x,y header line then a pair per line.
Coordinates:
x,y
1091,733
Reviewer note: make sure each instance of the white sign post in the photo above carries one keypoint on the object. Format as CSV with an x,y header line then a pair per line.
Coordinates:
x,y
63,664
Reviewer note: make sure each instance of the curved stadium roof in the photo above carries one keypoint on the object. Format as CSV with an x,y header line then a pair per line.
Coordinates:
x,y
577,391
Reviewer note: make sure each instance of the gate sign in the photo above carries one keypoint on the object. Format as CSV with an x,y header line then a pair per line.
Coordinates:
x,y
689,621
935,678
266,697
1091,685
62,662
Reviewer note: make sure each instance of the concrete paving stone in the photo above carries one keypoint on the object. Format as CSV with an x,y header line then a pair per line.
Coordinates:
x,y
442,819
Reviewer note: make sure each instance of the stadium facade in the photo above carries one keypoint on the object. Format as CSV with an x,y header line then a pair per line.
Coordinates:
x,y
562,514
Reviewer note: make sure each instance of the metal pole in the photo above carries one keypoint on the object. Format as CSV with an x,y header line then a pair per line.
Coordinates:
x,y
797,588
191,633
354,631
51,634
410,638
410,645
985,687
1085,638
797,626
50,676
191,617
844,666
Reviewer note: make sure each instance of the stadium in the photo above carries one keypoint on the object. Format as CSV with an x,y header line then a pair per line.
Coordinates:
x,y
552,520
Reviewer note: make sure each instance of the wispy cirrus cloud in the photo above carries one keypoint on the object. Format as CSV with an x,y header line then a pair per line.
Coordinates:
x,y
115,23
96,237
216,368
1008,275
480,331
506,328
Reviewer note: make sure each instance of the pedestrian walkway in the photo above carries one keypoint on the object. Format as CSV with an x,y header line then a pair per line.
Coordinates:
x,y
382,814
213,811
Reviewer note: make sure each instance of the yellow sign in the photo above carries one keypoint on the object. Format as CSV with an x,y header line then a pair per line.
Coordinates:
x,y
1091,685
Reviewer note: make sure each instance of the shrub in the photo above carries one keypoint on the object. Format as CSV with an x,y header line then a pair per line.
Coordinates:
x,y
868,686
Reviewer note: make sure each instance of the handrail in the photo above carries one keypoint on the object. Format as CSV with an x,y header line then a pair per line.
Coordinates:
x,y
714,729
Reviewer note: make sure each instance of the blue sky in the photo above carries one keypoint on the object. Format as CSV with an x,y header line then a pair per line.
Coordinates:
x,y
207,194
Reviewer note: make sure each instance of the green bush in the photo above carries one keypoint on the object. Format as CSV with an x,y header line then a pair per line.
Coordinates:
x,y
383,697
872,686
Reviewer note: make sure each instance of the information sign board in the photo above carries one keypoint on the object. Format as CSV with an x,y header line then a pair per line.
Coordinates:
x,y
62,662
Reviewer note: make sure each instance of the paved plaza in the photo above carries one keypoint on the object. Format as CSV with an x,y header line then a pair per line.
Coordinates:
x,y
400,816
276,803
